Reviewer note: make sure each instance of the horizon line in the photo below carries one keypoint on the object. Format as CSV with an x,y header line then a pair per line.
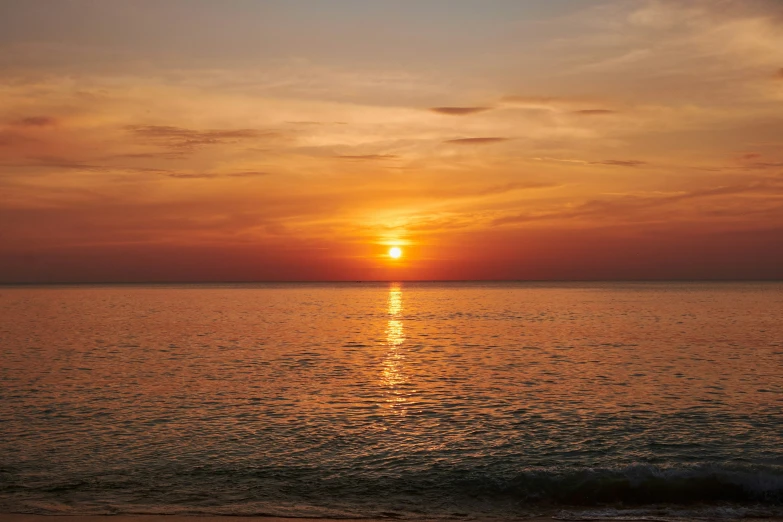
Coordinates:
x,y
362,281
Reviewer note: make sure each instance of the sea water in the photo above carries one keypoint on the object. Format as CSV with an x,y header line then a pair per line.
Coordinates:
x,y
407,400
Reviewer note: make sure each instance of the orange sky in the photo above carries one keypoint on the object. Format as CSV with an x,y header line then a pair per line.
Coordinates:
x,y
189,140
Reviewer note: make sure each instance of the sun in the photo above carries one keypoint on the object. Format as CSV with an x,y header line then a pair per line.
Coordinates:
x,y
395,252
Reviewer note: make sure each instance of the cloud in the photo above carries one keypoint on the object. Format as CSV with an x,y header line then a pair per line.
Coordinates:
x,y
10,138
188,175
169,132
147,155
624,59
546,102
57,163
752,160
61,163
317,123
369,157
247,174
459,111
35,121
665,14
53,162
510,187
627,205
766,165
594,112
611,162
476,141
742,34
620,163
562,160
535,101
182,139
205,175
587,106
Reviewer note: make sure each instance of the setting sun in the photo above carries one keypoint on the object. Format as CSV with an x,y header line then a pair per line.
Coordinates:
x,y
395,252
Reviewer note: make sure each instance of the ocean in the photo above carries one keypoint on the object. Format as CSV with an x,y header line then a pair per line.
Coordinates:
x,y
398,400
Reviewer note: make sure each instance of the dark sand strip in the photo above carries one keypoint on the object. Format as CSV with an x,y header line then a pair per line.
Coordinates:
x,y
192,518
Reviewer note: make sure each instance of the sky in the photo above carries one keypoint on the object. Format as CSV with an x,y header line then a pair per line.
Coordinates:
x,y
194,140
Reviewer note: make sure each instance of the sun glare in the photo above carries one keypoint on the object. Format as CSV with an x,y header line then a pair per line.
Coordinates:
x,y
395,252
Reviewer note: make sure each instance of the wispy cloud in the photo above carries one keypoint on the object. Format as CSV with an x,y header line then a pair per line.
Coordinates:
x,y
210,175
550,103
562,160
168,155
35,121
317,123
629,205
459,111
477,141
510,187
594,112
610,162
60,163
766,165
54,164
753,160
183,139
368,157
8,138
247,174
179,133
620,163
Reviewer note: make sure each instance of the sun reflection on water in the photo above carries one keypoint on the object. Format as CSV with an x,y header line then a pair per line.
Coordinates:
x,y
393,375
395,300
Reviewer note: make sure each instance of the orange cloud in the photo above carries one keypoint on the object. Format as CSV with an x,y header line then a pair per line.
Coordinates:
x,y
477,141
630,206
752,160
547,102
459,111
620,163
181,139
367,156
190,175
767,165
594,112
36,121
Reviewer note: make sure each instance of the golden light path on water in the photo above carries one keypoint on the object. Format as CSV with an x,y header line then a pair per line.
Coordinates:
x,y
393,375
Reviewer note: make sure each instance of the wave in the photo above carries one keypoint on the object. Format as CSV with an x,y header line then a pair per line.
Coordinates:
x,y
442,492
639,485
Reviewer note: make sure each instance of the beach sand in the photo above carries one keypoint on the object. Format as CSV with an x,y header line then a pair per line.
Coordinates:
x,y
184,518
549,516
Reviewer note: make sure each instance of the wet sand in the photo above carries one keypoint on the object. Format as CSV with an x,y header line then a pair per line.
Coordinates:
x,y
188,518
548,517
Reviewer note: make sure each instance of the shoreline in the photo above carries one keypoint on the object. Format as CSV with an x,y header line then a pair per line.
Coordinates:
x,y
542,517
19,517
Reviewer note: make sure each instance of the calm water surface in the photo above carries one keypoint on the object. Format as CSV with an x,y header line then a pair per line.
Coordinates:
x,y
402,400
